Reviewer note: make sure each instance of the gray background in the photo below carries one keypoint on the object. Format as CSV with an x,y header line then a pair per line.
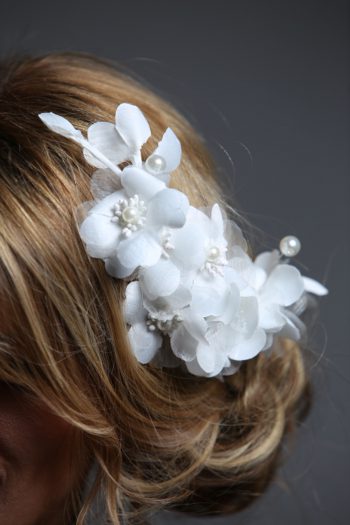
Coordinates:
x,y
267,83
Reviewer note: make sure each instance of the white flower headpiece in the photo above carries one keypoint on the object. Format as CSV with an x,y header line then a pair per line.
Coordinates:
x,y
195,296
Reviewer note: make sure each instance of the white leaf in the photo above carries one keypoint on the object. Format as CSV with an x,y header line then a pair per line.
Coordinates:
x,y
61,125
92,160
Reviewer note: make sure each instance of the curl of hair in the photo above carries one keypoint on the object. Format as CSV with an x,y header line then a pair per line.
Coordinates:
x,y
159,438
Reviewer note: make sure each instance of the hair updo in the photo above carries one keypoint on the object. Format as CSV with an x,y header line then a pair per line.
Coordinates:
x,y
157,437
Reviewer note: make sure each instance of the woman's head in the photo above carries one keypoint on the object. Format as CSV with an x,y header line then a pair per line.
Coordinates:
x,y
157,437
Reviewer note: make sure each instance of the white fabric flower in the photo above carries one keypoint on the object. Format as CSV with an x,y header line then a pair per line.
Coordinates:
x,y
198,298
201,244
126,226
144,342
277,286
108,144
148,322
237,339
120,141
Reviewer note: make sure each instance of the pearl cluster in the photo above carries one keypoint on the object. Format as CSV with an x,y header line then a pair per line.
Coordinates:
x,y
214,261
165,327
130,213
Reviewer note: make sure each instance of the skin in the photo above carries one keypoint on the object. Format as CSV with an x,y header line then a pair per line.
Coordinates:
x,y
35,461
39,467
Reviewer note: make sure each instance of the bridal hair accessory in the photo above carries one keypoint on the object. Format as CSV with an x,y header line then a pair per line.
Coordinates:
x,y
194,295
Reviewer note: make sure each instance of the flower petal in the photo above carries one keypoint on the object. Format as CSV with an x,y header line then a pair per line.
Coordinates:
x,y
217,219
270,317
183,344
246,320
168,208
269,341
175,301
207,300
100,235
194,368
137,181
217,299
107,140
140,249
254,276
132,125
189,242
105,206
249,348
283,286
103,183
170,149
115,269
231,369
194,324
144,342
268,260
232,276
235,239
294,327
161,279
134,311
206,357
313,286
232,305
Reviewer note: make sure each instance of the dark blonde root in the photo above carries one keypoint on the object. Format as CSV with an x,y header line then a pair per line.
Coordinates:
x,y
159,437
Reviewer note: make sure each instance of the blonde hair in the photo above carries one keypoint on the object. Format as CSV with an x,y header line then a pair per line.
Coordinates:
x,y
159,437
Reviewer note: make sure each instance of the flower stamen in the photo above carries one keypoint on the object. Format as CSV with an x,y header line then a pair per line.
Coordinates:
x,y
214,261
165,326
130,214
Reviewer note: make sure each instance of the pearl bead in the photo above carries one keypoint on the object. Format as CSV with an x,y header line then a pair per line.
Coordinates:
x,y
214,253
290,246
130,214
155,164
